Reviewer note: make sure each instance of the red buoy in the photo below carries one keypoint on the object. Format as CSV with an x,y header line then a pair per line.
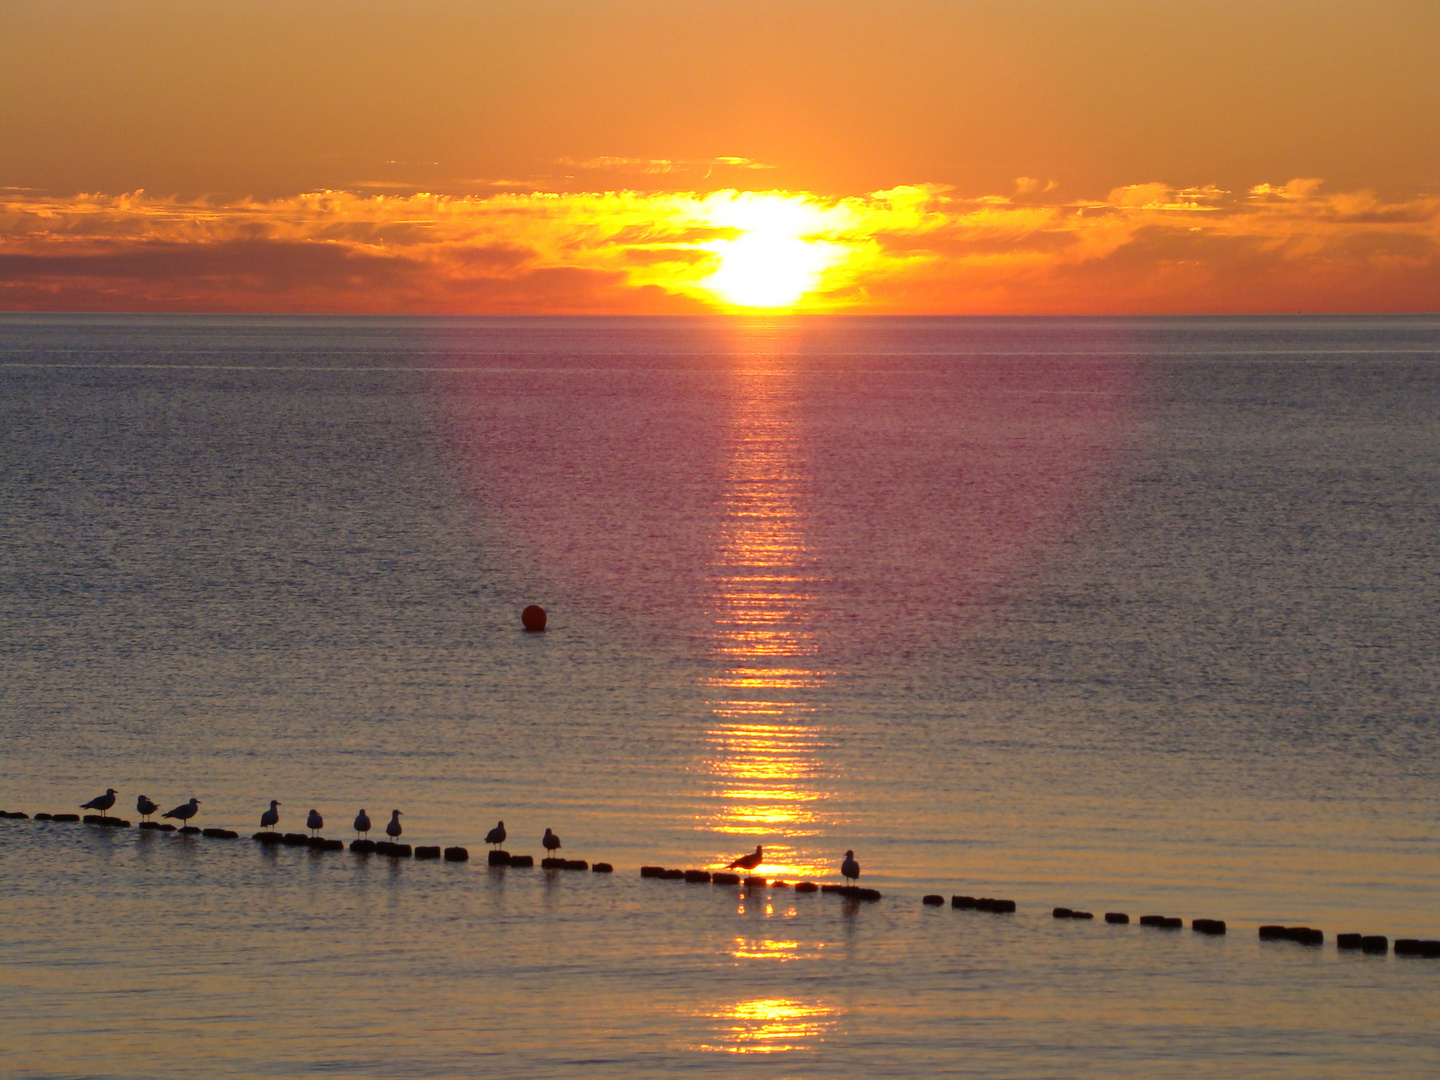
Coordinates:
x,y
533,618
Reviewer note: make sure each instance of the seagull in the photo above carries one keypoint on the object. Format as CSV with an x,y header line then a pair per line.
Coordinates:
x,y
850,869
270,818
101,802
362,822
185,811
393,829
496,835
747,862
145,807
314,822
550,840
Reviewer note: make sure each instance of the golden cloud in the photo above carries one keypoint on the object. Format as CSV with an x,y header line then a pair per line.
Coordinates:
x,y
920,248
659,166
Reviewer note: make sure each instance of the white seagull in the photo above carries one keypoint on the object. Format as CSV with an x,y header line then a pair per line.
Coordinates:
x,y
270,818
496,835
314,822
850,869
101,802
362,822
185,811
550,840
393,829
145,807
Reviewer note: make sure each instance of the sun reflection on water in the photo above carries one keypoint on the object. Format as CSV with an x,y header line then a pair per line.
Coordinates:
x,y
769,1026
765,757
765,949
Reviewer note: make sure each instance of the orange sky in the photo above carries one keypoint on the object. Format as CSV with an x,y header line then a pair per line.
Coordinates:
x,y
580,155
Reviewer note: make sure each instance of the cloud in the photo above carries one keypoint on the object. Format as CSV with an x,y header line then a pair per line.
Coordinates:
x,y
660,166
1164,197
1305,187
1147,247
384,185
1029,185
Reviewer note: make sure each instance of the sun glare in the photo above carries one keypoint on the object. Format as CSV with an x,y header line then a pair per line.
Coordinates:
x,y
774,260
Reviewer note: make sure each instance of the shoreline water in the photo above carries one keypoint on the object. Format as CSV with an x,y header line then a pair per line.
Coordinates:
x,y
647,980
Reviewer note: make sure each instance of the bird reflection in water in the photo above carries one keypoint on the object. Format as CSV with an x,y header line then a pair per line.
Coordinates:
x,y
765,746
769,1026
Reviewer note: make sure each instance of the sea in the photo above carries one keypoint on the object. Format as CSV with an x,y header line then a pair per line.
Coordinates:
x,y
1133,615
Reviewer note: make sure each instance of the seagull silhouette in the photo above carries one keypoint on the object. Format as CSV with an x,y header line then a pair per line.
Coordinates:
x,y
270,818
550,840
185,811
362,822
850,869
496,835
145,807
101,802
748,862
393,829
314,822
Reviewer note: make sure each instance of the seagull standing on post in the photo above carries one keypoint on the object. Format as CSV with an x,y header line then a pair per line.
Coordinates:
x,y
185,811
101,802
496,835
551,841
145,807
314,822
748,862
270,818
362,822
850,869
393,829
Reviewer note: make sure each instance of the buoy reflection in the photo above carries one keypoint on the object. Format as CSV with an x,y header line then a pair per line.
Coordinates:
x,y
765,745
770,1026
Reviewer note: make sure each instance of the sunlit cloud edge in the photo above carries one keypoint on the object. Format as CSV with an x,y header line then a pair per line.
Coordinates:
x,y
910,249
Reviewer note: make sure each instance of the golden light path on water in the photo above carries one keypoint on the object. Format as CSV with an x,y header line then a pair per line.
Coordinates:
x,y
770,784
768,1025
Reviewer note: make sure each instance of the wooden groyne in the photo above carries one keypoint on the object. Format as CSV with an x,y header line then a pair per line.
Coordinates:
x,y
753,881
1354,941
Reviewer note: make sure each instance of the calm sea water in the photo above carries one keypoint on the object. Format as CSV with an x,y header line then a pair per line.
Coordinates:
x,y
1134,615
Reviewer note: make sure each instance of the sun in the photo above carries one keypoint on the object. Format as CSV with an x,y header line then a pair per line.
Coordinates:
x,y
774,260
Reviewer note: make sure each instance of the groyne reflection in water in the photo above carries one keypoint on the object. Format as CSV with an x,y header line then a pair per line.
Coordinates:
x,y
769,783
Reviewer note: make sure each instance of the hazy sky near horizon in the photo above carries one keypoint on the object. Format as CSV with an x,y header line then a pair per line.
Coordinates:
x,y
1025,103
